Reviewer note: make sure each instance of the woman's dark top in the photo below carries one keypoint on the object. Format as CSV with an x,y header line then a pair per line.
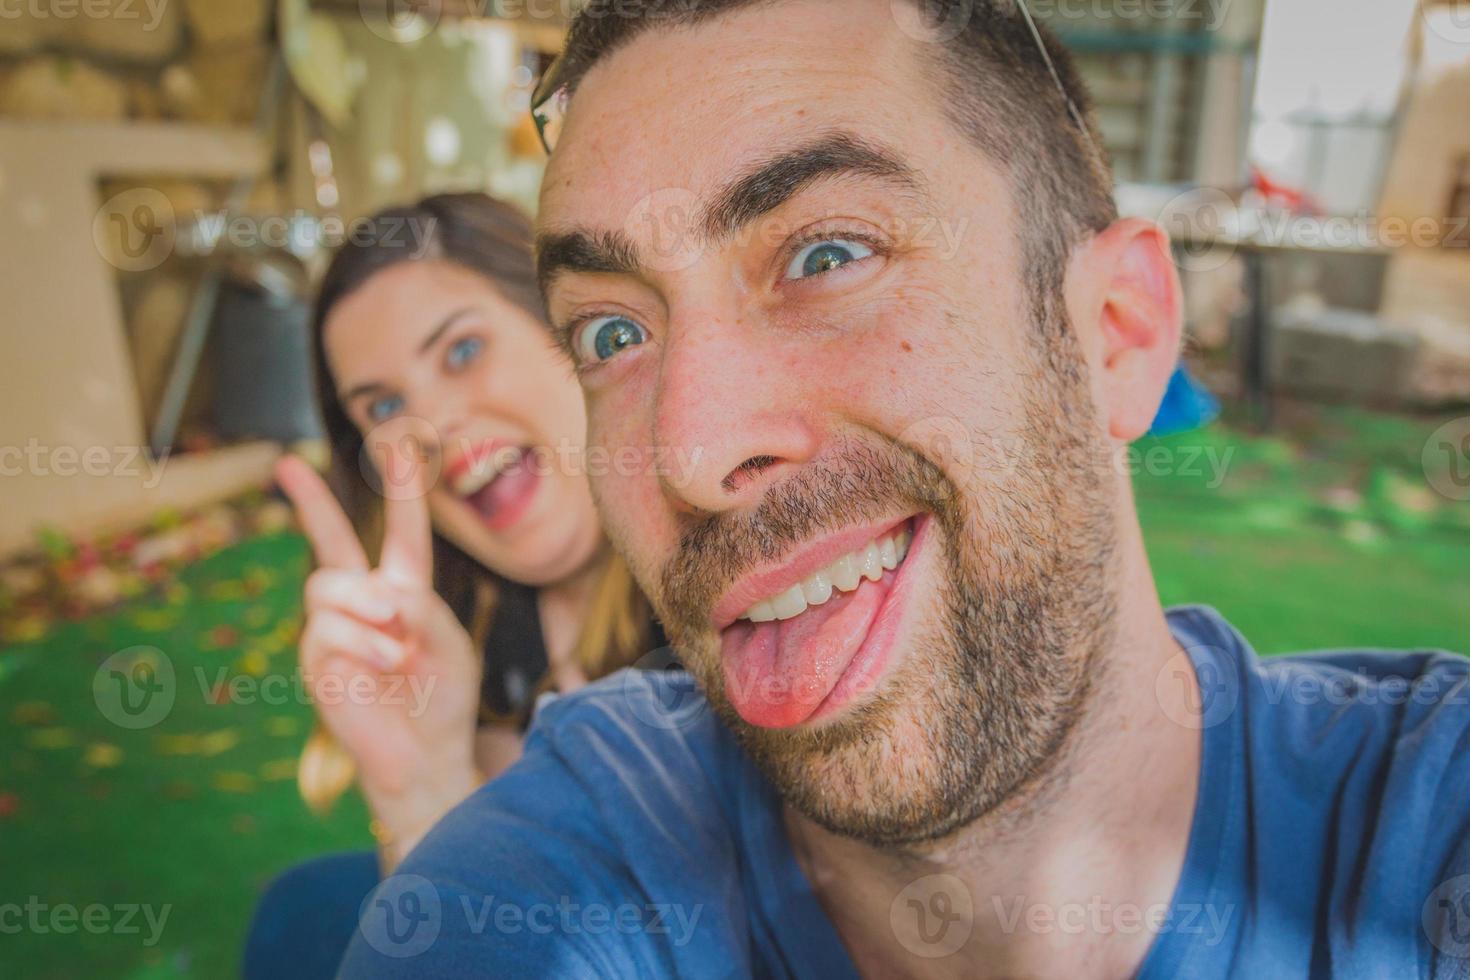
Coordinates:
x,y
515,654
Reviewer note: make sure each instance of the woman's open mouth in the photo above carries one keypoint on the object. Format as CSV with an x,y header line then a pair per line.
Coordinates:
x,y
499,485
803,650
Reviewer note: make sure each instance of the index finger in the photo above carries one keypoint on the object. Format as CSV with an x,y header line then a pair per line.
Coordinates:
x,y
333,540
408,551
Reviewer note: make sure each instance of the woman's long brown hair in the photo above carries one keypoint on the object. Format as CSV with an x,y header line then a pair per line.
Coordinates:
x,y
493,240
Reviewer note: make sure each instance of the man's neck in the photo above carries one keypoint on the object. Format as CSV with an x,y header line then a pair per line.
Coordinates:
x,y
1065,878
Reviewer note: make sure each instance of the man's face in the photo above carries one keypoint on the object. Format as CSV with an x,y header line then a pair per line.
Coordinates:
x,y
772,253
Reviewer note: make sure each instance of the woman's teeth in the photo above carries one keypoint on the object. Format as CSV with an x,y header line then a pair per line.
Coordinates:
x,y
483,472
843,575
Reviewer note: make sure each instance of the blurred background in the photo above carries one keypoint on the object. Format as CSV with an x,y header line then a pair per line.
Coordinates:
x,y
173,174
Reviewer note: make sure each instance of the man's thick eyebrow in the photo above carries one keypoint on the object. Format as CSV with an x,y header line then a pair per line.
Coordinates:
x,y
583,251
772,183
764,188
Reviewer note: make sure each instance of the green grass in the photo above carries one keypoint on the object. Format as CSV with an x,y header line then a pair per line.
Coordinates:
x,y
200,833
1326,538
1331,538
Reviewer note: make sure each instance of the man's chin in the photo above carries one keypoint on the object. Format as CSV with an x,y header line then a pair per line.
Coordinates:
x,y
938,743
869,772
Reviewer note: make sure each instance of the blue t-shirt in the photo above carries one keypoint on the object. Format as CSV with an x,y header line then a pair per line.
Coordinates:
x,y
635,838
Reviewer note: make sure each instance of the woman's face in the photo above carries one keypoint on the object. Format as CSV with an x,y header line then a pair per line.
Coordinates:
x,y
438,348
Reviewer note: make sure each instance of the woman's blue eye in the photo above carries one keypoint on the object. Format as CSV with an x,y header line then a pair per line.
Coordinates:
x,y
602,337
824,256
463,351
380,409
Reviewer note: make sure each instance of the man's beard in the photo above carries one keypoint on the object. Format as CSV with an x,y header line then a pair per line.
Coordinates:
x,y
996,667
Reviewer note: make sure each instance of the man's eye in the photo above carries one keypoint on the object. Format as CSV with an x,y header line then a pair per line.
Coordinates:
x,y
463,352
602,337
824,256
381,409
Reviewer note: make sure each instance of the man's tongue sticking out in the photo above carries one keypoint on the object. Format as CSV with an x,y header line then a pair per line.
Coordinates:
x,y
777,673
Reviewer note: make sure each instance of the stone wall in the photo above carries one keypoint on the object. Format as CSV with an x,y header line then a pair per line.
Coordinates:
x,y
185,60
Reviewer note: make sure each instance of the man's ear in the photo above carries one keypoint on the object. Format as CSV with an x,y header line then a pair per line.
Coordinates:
x,y
1134,294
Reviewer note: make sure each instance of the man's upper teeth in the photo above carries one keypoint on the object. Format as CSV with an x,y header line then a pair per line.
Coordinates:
x,y
843,575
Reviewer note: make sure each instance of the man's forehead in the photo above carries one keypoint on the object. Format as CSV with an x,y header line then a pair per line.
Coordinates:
x,y
688,108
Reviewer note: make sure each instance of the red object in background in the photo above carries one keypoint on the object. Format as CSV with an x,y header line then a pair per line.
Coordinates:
x,y
9,803
224,636
1290,198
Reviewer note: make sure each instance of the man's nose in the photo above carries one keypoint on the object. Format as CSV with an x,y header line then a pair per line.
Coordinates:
x,y
728,405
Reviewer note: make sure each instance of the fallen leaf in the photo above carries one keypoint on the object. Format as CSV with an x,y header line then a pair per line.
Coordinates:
x,y
278,770
233,782
33,713
102,755
52,738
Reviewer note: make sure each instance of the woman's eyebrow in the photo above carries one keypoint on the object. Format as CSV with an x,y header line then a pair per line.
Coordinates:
x,y
357,391
369,387
443,326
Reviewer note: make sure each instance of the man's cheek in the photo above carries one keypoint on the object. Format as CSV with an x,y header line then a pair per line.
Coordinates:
x,y
627,492
646,540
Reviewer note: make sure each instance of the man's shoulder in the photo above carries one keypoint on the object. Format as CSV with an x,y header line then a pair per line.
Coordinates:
x,y
660,700
608,837
1332,717
634,741
1361,678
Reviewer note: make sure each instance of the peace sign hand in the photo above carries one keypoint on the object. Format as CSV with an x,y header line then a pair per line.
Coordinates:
x,y
394,675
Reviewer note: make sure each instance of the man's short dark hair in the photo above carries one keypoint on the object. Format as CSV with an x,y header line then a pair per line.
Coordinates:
x,y
997,87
